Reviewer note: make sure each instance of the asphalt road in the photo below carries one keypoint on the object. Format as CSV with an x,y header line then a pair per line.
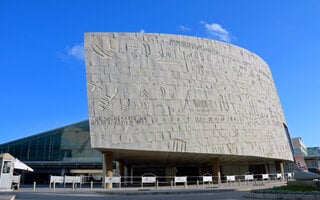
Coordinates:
x,y
79,195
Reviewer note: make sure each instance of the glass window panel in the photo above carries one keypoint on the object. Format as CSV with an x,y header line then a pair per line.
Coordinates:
x,y
6,167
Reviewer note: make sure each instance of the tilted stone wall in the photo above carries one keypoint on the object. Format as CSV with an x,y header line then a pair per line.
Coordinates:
x,y
158,92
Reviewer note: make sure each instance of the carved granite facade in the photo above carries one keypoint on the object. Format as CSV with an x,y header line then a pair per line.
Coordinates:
x,y
170,93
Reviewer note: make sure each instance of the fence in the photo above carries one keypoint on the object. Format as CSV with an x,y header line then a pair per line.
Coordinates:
x,y
74,180
151,180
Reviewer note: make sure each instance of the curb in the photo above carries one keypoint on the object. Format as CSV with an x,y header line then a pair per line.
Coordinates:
x,y
7,197
165,192
281,196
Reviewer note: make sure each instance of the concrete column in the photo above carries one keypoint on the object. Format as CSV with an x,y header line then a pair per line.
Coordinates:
x,y
216,169
204,168
131,175
128,174
107,166
121,168
170,171
279,168
266,167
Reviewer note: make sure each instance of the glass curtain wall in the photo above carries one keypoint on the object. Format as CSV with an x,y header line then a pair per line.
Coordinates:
x,y
67,144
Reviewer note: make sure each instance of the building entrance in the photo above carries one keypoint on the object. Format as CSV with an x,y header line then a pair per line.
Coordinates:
x,y
257,170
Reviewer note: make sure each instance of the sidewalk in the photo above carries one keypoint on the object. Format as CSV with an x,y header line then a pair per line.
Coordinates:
x,y
7,197
192,192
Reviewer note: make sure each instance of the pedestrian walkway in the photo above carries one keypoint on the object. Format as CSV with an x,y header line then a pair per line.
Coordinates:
x,y
7,197
233,190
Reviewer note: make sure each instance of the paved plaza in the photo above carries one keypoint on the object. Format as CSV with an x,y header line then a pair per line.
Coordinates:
x,y
224,192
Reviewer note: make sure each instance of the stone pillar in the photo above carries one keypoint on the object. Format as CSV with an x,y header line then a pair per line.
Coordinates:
x,y
107,166
216,170
279,168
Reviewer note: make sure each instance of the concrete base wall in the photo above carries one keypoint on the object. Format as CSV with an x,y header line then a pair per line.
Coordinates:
x,y
315,184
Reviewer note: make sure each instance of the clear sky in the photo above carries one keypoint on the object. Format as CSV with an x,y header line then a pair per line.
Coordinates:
x,y
43,86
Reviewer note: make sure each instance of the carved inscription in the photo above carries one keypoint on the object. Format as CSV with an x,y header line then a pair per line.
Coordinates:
x,y
106,100
97,48
163,91
144,94
147,49
224,105
203,91
166,57
125,104
179,145
96,85
185,102
119,120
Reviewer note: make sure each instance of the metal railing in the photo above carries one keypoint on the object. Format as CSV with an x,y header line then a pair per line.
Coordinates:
x,y
152,181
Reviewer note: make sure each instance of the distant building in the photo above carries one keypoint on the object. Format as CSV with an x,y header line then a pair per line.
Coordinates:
x,y
306,158
299,152
299,147
313,159
313,151
60,151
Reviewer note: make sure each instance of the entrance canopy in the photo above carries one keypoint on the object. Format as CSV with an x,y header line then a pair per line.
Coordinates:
x,y
20,165
17,164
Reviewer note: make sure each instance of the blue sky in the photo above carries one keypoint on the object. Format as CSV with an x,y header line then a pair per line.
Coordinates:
x,y
42,67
